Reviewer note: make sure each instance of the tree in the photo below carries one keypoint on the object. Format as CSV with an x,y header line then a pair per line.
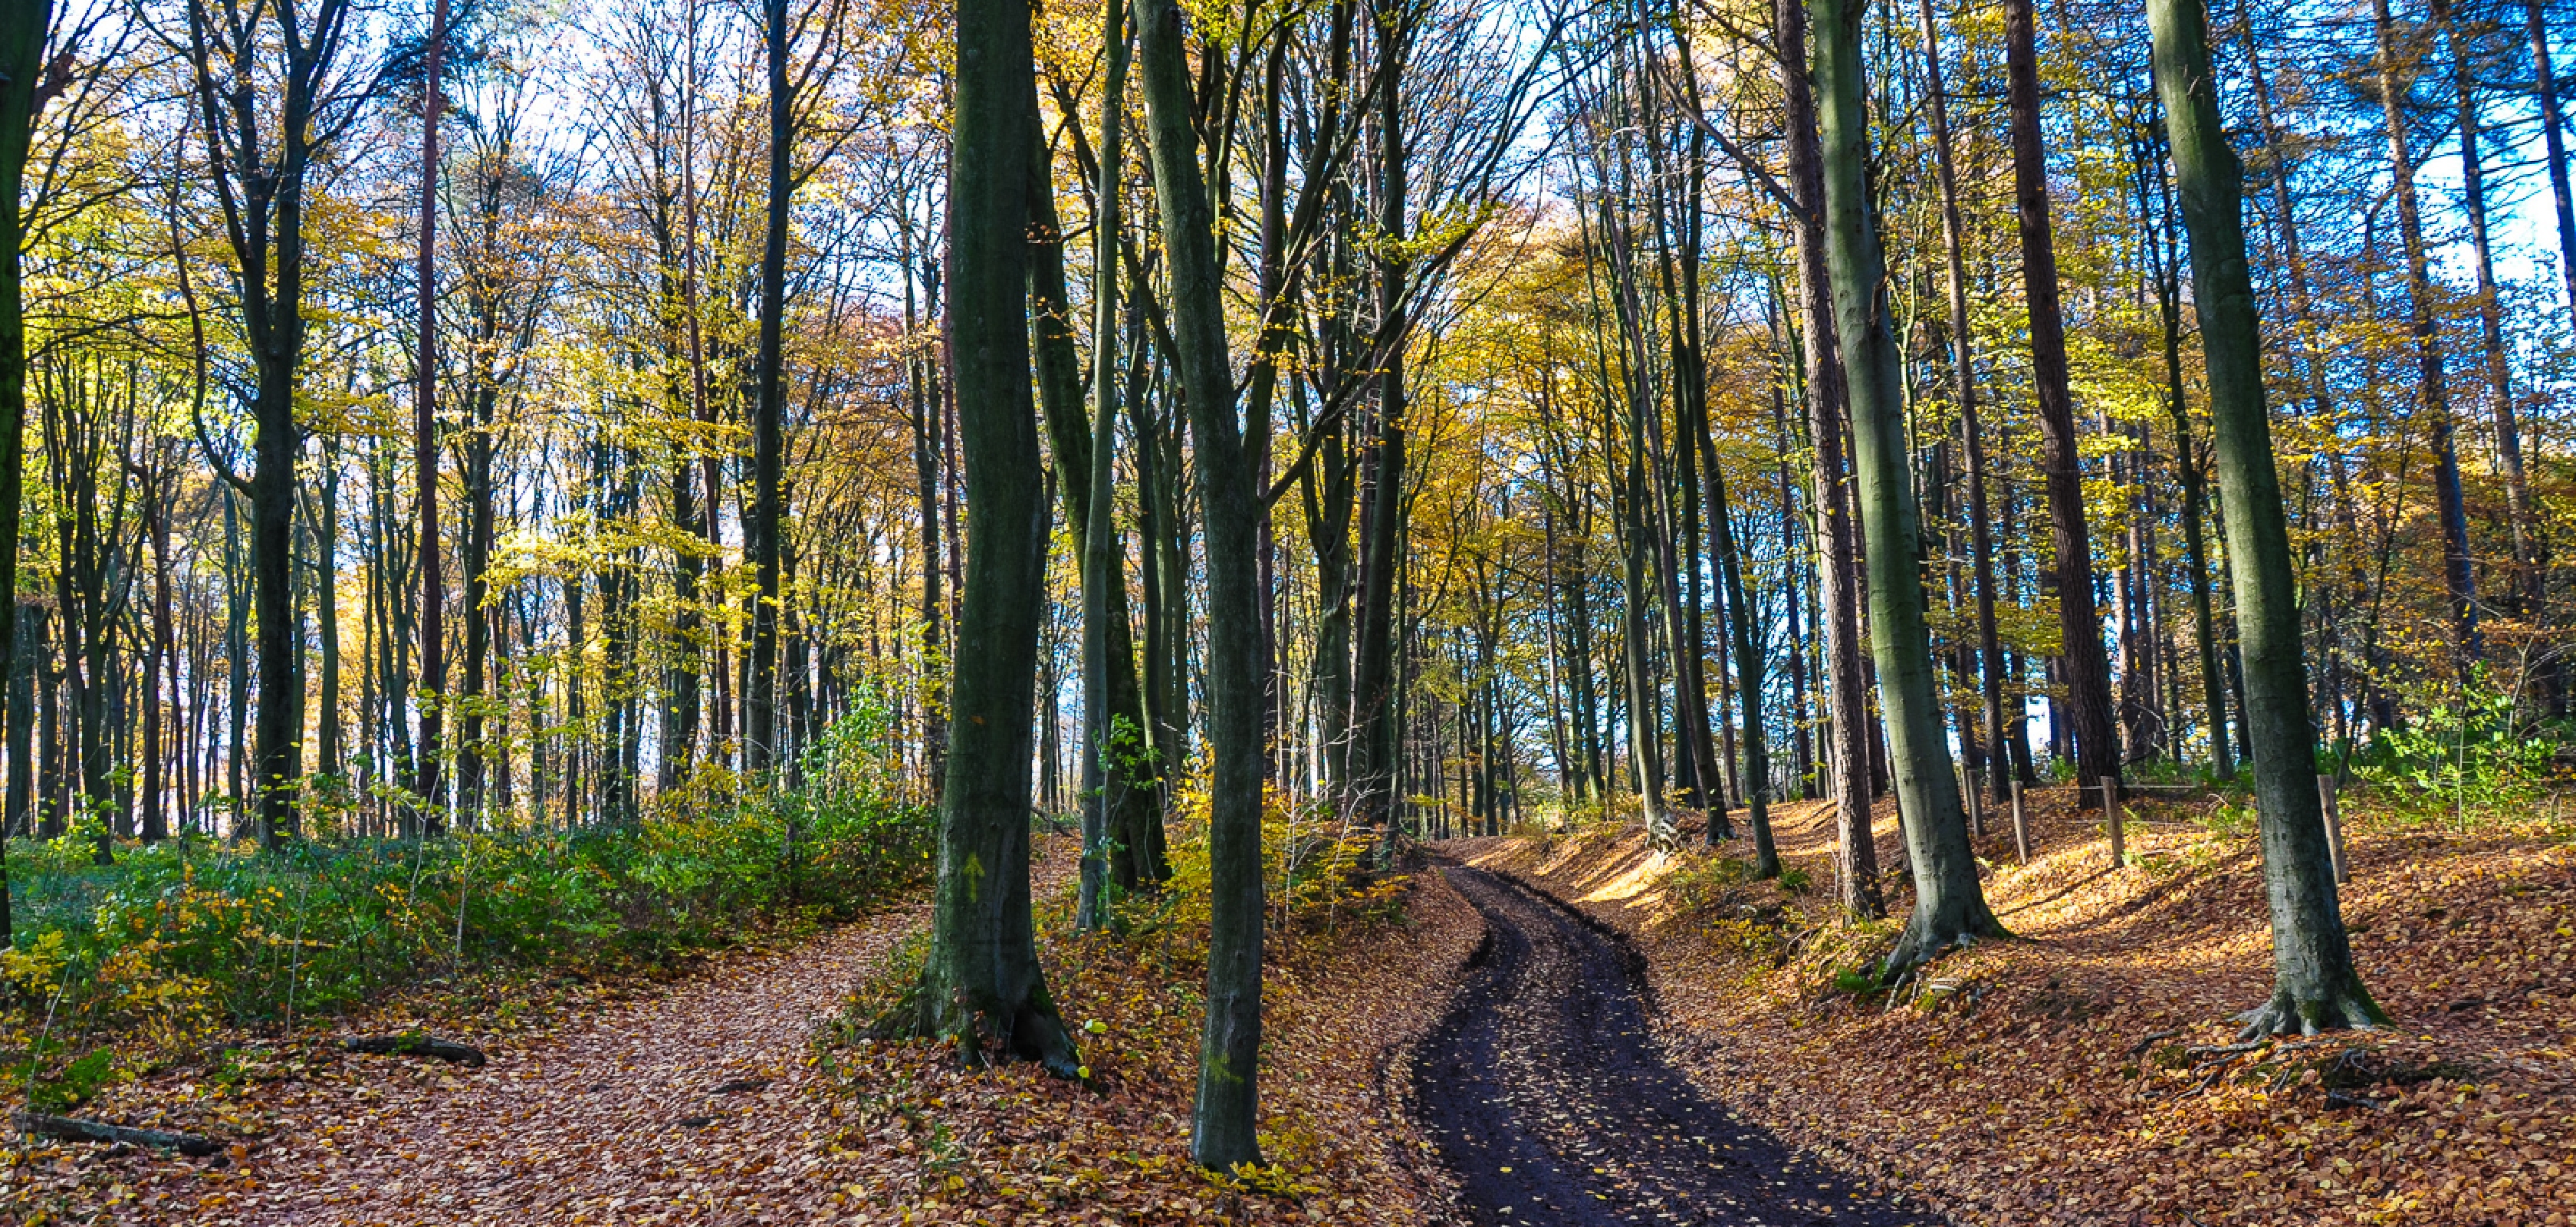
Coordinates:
x,y
1222,1126
427,789
2314,984
981,982
260,153
763,527
22,53
1949,904
2088,673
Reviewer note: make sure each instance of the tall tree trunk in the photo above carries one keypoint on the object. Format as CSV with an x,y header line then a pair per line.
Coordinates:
x,y
2088,673
1949,905
2195,479
2562,205
1963,372
982,983
764,526
427,787
2315,986
1856,853
22,53
1117,781
2433,393
2508,426
1226,1114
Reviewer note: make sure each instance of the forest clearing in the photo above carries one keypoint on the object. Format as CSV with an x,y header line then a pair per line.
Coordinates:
x,y
1572,613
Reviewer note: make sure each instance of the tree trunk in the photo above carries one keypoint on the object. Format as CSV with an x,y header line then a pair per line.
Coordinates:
x,y
2508,426
1856,853
2087,672
1225,1117
981,982
2562,205
1949,905
2315,986
1963,371
427,787
764,526
2433,394
22,52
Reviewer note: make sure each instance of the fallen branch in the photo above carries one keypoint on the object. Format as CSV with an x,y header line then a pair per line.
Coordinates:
x,y
2140,1048
415,1044
73,1129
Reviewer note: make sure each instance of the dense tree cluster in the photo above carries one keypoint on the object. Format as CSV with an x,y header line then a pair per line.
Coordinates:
x,y
1439,413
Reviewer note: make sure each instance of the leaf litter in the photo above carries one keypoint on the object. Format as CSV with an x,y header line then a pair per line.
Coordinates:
x,y
2087,1073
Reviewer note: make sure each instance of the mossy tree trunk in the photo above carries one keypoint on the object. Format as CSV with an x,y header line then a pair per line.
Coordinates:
x,y
1222,1126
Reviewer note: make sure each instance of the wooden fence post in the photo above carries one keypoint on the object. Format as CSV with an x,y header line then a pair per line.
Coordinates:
x,y
1976,805
2111,818
2021,829
2327,801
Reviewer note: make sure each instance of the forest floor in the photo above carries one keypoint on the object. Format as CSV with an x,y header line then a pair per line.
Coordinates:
x,y
728,1095
1543,1091
2086,1073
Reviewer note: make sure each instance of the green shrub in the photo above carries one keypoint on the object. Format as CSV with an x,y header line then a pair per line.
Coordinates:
x,y
184,937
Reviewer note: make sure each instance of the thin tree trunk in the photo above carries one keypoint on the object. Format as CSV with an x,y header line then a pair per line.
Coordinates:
x,y
2087,672
1856,853
427,787
2433,395
1223,1121
764,527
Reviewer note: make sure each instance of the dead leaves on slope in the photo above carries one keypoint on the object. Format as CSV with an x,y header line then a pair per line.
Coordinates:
x,y
2011,1086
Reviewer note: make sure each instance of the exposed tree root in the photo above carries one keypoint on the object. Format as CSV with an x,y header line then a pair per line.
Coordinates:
x,y
2288,1015
1030,1033
1920,946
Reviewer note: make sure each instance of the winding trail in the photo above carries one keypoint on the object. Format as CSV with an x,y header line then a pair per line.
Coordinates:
x,y
1544,1093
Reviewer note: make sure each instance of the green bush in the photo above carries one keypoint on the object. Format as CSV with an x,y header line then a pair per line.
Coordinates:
x,y
2474,756
183,937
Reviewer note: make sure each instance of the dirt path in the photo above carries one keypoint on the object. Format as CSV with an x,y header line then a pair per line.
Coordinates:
x,y
1544,1092
683,1108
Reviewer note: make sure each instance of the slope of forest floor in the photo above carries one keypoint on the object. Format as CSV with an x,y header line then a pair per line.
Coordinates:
x,y
2086,1074
737,1093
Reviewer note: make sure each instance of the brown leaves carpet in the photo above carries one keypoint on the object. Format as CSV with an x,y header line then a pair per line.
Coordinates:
x,y
2082,1075
703,1101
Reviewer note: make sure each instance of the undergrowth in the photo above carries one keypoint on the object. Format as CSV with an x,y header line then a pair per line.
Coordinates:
x,y
177,942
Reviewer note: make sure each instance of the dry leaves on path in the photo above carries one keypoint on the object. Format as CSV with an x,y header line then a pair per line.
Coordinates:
x,y
704,1103
924,1142
2086,1074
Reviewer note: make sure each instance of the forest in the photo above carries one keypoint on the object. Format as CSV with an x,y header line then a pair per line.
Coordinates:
x,y
1356,611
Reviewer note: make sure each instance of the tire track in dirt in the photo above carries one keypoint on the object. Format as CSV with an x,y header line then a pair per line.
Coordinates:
x,y
1545,1096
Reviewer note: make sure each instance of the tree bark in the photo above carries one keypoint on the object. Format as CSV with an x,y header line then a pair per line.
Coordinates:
x,y
2315,985
1963,371
2087,671
982,982
2432,392
1949,904
762,532
1224,1119
22,52
428,788
1856,853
